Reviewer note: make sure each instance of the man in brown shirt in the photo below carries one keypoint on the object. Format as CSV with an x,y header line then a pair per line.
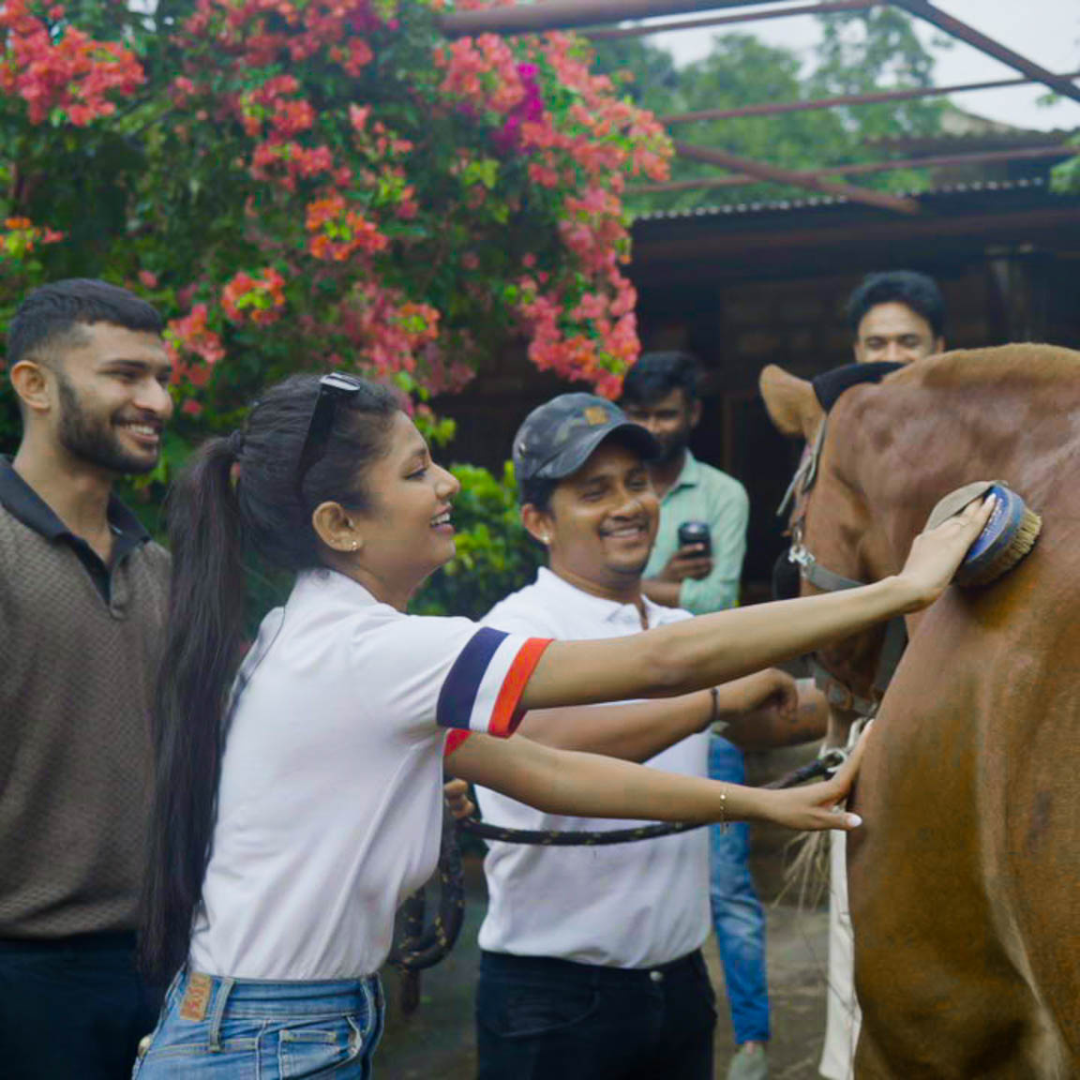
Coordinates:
x,y
82,608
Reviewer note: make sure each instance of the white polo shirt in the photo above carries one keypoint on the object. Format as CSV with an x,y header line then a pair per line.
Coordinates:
x,y
628,905
330,802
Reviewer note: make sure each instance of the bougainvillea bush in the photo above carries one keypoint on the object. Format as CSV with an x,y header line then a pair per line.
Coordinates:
x,y
306,183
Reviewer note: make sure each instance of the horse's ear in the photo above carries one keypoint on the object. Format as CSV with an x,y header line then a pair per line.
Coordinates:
x,y
791,402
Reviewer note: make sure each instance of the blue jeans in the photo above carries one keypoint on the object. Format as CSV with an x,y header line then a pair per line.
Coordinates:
x,y
538,1018
230,1029
737,913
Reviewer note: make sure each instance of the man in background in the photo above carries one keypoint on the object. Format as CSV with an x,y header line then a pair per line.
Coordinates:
x,y
660,392
897,316
83,597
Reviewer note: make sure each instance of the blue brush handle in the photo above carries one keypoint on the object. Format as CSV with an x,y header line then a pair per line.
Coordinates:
x,y
997,535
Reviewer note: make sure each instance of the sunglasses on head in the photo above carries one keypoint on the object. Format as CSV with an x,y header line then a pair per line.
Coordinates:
x,y
332,389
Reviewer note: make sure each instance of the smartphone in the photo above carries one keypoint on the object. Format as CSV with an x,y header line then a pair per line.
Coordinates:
x,y
695,532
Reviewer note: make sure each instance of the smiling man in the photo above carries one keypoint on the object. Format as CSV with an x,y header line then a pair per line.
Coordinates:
x,y
82,608
897,316
591,966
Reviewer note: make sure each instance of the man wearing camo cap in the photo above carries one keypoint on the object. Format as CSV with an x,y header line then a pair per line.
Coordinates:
x,y
591,965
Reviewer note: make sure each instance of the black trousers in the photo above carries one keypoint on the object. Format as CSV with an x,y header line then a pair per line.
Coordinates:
x,y
557,1020
72,1008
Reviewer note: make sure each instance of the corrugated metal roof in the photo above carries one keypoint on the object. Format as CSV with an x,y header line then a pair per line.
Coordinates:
x,y
1022,136
781,206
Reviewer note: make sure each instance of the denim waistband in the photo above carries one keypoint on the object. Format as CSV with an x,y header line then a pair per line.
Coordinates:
x,y
259,997
494,963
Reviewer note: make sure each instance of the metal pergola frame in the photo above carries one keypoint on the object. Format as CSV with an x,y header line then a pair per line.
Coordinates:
x,y
590,14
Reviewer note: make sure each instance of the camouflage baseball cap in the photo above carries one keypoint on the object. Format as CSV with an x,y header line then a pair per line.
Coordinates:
x,y
558,437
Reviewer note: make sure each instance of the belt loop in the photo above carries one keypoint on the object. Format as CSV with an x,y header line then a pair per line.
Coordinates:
x,y
224,990
370,993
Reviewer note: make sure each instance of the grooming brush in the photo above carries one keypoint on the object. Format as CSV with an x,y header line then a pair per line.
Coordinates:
x,y
1007,537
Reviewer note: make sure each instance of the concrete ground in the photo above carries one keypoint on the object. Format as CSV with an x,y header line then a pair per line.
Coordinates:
x,y
437,1042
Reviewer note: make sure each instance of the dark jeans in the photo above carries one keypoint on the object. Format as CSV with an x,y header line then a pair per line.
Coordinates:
x,y
537,1017
72,1008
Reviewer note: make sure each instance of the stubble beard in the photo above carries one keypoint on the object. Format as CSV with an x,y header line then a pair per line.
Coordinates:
x,y
673,449
94,440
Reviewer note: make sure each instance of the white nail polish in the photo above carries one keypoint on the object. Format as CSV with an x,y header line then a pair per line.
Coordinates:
x,y
854,820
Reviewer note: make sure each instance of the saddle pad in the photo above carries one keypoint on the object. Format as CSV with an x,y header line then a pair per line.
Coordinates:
x,y
831,384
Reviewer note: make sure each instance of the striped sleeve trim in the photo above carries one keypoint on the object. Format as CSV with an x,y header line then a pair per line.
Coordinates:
x,y
484,687
454,739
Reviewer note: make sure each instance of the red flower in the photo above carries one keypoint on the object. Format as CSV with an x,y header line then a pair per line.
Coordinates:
x,y
71,72
192,336
259,300
337,232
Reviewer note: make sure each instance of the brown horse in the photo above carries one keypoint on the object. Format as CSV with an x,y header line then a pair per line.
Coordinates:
x,y
965,879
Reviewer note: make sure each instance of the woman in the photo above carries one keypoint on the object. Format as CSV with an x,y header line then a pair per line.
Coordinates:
x,y
298,798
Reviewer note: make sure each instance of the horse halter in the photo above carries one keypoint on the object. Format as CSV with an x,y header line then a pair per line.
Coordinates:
x,y
837,692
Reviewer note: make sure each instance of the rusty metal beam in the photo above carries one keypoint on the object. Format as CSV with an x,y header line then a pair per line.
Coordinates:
x,y
1029,153
778,107
926,11
568,14
826,7
777,175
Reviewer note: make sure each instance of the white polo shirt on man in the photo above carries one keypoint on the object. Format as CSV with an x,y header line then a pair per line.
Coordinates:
x,y
630,905
330,802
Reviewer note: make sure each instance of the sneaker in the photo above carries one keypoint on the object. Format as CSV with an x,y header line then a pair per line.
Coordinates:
x,y
749,1063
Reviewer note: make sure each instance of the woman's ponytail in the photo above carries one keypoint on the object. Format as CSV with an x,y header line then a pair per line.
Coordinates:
x,y
202,650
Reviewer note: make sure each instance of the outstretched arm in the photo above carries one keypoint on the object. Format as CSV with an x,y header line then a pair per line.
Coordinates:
x,y
759,709
714,649
802,719
588,785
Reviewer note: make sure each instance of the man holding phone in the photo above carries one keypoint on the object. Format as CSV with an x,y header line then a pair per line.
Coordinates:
x,y
697,560
696,564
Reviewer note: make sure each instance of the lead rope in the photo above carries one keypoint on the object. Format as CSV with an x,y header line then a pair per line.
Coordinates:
x,y
418,945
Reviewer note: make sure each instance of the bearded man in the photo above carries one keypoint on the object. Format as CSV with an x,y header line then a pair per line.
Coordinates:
x,y
82,609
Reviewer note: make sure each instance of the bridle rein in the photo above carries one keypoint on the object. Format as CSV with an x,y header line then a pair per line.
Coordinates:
x,y
837,692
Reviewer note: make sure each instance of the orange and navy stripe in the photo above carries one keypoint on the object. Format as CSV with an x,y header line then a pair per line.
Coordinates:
x,y
483,690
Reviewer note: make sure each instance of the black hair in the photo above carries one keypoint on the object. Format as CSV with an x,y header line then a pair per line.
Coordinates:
x,y
237,495
56,311
657,374
916,291
537,492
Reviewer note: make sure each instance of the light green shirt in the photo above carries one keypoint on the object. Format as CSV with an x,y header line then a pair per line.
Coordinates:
x,y
702,493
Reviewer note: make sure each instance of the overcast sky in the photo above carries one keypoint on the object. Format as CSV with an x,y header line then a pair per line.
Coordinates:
x,y
1046,31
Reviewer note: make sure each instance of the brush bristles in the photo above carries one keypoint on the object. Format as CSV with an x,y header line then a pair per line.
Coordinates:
x,y
1021,544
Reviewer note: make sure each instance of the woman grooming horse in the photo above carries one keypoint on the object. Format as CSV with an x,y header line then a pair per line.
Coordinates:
x,y
298,794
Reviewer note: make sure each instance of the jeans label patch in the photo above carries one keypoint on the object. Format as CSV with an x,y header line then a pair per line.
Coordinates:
x,y
196,997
